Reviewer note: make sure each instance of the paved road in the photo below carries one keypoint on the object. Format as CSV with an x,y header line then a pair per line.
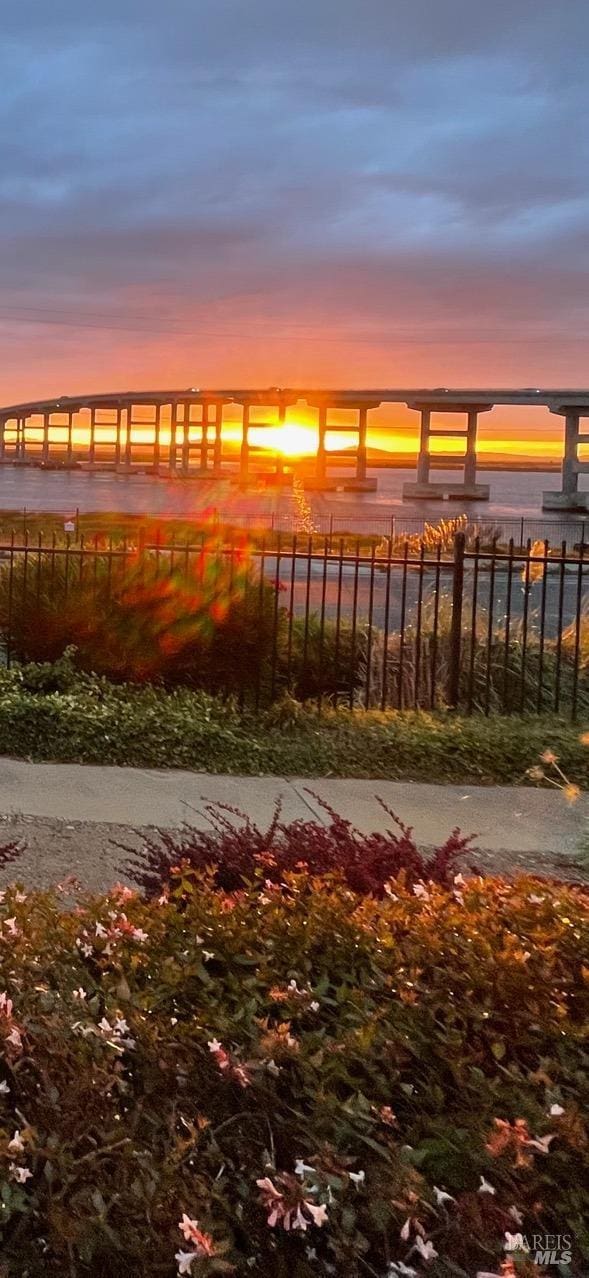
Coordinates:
x,y
73,817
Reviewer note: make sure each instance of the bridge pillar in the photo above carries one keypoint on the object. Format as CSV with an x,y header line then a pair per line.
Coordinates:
x,y
321,460
244,458
218,445
425,488
204,436
569,497
359,481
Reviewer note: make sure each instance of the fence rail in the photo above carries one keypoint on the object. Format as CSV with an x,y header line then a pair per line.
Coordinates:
x,y
477,627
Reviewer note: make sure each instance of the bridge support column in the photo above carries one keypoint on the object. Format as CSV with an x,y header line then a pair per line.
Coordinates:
x,y
92,446
279,454
244,458
321,460
204,437
45,437
361,454
218,445
569,497
157,438
425,488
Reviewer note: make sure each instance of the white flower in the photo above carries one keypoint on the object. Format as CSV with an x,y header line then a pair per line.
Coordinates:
x,y
302,1168
79,993
442,1197
516,1215
459,880
14,1038
426,1250
20,1174
357,1178
17,1144
556,1111
420,890
185,1261
214,1045
541,1143
405,1229
100,930
20,897
11,924
536,900
515,1242
314,1006
485,1187
4,1088
208,954
397,1267
140,935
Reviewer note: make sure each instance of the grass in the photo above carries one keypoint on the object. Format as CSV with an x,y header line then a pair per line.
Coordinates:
x,y
85,719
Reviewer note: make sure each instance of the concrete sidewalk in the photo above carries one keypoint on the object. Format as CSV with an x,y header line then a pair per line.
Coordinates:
x,y
520,818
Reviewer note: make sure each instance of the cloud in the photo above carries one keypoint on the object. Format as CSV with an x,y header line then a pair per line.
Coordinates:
x,y
323,174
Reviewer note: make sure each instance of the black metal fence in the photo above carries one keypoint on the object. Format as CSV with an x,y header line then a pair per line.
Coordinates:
x,y
478,627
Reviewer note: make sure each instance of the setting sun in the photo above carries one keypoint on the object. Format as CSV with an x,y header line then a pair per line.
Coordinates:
x,y
293,439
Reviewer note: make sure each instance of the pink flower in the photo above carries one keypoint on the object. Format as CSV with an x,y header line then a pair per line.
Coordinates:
x,y
122,893
14,1038
426,1250
20,1174
203,1242
17,1144
5,1005
318,1213
11,924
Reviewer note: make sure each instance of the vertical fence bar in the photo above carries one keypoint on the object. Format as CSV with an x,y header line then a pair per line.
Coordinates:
x,y
400,695
434,652
526,574
418,628
338,612
507,637
456,621
322,626
578,619
542,629
557,673
307,607
261,591
385,635
352,672
291,605
10,598
473,625
490,623
276,620
369,633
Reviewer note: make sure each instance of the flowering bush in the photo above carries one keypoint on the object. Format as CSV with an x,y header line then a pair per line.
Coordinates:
x,y
300,1081
239,852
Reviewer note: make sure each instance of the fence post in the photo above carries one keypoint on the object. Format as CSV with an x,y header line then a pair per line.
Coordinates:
x,y
456,621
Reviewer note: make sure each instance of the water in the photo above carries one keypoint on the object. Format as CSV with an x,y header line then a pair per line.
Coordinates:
x,y
513,494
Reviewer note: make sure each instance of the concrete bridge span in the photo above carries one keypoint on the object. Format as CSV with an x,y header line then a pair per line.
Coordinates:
x,y
180,431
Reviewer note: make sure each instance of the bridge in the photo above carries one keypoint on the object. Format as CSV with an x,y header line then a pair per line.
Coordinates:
x,y
180,432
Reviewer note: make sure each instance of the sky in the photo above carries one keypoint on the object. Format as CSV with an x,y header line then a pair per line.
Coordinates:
x,y
311,192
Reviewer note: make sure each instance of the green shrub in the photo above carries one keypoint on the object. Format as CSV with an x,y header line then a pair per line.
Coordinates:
x,y
203,622
365,1068
89,720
